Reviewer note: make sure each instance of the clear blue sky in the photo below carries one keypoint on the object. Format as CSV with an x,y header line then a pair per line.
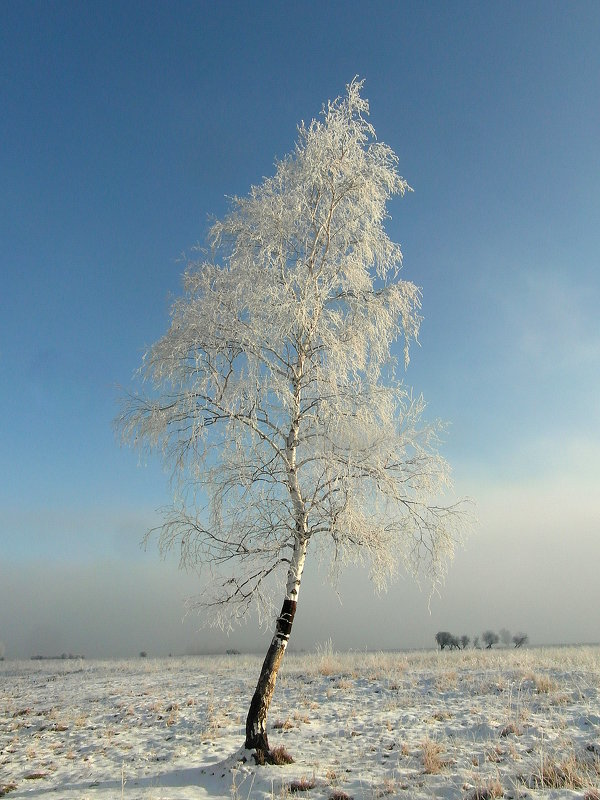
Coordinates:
x,y
124,126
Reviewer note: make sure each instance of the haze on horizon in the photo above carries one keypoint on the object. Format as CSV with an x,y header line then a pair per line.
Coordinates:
x,y
125,127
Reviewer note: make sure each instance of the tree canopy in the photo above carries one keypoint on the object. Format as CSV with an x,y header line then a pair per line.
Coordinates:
x,y
274,395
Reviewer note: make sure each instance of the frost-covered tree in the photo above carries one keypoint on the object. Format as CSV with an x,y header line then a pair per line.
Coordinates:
x,y
519,639
446,639
490,638
274,396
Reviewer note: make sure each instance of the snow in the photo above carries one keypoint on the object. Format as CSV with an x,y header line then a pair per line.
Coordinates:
x,y
370,725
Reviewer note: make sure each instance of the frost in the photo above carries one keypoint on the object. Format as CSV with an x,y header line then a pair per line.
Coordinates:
x,y
274,397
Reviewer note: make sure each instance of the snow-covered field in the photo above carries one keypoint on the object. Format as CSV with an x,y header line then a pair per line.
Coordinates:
x,y
472,724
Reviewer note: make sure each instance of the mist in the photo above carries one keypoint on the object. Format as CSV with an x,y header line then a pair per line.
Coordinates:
x,y
531,566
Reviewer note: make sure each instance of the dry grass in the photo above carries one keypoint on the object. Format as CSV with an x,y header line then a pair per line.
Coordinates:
x,y
283,724
303,784
299,717
328,668
544,684
280,756
331,776
432,760
328,663
441,716
570,772
387,788
447,681
490,791
495,755
511,728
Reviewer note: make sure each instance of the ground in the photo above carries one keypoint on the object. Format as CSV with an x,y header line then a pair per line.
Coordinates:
x,y
470,724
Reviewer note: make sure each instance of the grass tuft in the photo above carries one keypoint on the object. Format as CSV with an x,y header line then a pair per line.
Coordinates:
x,y
432,760
283,724
513,728
492,790
388,787
570,773
544,684
302,785
280,756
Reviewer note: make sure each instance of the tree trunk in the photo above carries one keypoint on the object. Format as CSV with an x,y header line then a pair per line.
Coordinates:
x,y
256,722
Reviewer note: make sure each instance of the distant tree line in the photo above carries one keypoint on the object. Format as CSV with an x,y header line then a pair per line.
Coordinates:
x,y
447,640
62,657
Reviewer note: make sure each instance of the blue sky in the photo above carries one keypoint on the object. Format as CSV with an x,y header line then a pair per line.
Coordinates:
x,y
125,126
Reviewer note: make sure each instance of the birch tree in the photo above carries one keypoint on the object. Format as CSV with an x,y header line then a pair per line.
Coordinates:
x,y
274,397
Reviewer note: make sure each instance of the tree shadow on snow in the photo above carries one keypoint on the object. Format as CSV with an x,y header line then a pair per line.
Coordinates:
x,y
211,780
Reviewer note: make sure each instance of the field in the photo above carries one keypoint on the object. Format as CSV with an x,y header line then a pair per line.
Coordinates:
x,y
471,724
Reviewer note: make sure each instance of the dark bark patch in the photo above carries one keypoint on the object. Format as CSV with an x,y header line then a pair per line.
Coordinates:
x,y
286,618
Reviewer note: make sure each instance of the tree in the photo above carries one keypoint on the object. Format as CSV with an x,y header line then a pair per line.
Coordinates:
x,y
274,396
505,637
464,641
519,639
444,639
490,638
